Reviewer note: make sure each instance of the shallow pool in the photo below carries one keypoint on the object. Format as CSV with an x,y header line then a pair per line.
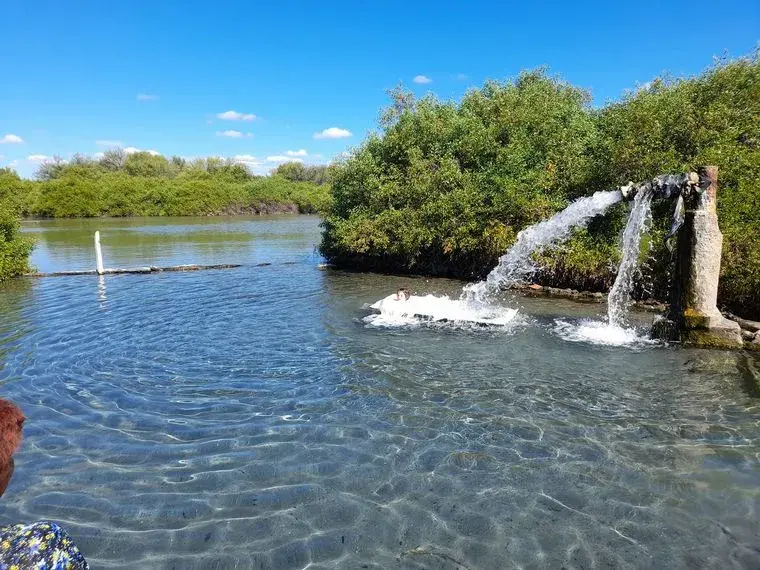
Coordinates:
x,y
250,418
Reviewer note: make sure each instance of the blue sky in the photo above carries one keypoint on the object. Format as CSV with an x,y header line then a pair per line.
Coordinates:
x,y
81,76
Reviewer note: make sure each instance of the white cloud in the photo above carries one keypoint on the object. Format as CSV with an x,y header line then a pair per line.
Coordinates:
x,y
422,79
98,155
281,158
11,139
38,158
233,134
332,133
106,142
132,150
235,116
301,152
146,97
461,77
247,160
253,164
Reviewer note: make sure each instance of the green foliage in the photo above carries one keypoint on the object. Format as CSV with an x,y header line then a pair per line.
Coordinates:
x,y
674,126
14,247
144,184
298,172
445,187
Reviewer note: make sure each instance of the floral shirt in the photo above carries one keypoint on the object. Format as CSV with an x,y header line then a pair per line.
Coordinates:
x,y
38,546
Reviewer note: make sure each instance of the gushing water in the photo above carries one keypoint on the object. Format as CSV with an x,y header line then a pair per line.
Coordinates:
x,y
617,331
517,265
619,298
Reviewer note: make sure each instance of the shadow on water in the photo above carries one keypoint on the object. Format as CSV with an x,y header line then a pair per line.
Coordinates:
x,y
749,366
15,297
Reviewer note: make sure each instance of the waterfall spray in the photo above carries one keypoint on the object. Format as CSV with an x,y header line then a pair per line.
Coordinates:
x,y
517,264
619,299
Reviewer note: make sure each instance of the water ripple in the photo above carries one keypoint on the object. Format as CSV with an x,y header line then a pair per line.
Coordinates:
x,y
249,419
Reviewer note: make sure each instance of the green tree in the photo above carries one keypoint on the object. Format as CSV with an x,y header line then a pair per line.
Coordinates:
x,y
146,164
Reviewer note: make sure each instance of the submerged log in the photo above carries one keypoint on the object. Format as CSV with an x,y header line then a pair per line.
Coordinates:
x,y
136,270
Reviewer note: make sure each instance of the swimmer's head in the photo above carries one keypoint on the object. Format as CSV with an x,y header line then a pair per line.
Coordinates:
x,y
403,294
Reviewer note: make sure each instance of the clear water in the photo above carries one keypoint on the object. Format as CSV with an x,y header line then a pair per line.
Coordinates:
x,y
250,418
517,264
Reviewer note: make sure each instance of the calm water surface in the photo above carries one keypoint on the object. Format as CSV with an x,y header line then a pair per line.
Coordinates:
x,y
248,418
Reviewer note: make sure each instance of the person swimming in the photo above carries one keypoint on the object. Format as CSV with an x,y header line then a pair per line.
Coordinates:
x,y
403,294
39,545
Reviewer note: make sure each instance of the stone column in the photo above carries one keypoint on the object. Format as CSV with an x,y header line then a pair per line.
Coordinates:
x,y
693,308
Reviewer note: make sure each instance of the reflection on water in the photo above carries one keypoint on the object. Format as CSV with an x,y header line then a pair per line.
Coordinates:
x,y
249,419
68,244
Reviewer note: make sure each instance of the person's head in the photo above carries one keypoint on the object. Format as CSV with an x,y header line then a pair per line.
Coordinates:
x,y
11,423
403,294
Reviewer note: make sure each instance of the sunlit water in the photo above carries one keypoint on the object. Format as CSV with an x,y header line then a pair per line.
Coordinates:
x,y
251,418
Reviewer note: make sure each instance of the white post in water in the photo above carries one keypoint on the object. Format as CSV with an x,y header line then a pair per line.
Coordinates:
x,y
98,255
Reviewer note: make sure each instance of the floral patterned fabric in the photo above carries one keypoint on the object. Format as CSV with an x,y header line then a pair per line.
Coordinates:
x,y
38,546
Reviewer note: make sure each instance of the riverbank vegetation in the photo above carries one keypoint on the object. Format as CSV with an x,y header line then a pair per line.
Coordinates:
x,y
14,247
143,184
444,187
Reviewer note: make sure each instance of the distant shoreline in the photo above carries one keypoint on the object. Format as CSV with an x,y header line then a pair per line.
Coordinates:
x,y
269,210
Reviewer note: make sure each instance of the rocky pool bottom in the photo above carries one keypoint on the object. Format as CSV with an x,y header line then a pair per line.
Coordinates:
x,y
251,418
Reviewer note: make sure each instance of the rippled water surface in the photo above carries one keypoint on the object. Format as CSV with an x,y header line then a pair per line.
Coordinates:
x,y
249,418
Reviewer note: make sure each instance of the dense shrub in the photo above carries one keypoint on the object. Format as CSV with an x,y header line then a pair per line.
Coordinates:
x,y
142,184
444,188
14,247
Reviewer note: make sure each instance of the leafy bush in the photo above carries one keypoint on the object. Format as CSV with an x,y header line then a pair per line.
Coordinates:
x,y
141,184
444,188
14,247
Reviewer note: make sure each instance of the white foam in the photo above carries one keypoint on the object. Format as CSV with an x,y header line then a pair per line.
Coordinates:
x,y
601,333
430,308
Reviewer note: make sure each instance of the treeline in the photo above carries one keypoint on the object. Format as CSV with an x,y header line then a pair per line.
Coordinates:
x,y
444,188
145,184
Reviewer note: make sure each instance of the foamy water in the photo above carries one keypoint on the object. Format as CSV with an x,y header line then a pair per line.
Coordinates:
x,y
431,308
602,333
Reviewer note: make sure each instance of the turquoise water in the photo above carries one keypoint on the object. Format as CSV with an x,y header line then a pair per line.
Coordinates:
x,y
249,418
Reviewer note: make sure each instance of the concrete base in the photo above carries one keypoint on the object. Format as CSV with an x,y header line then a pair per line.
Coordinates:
x,y
707,331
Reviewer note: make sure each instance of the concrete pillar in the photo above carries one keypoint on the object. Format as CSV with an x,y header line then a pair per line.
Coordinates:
x,y
694,316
